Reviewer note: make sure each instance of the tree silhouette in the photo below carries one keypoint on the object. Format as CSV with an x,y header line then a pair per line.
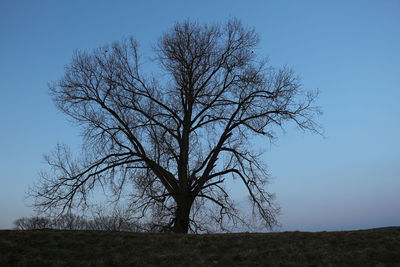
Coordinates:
x,y
172,140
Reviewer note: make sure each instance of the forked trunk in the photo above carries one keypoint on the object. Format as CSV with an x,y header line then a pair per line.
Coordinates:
x,y
182,213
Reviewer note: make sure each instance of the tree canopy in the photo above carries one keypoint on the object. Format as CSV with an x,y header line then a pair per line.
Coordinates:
x,y
170,142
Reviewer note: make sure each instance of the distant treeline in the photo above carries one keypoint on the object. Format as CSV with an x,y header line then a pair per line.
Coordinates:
x,y
114,222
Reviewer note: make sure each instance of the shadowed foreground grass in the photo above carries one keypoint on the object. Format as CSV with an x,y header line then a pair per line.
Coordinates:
x,y
98,248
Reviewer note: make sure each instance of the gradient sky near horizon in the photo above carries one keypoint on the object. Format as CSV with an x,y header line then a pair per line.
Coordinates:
x,y
349,50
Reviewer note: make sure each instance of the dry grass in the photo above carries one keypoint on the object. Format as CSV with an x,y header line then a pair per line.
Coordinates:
x,y
99,248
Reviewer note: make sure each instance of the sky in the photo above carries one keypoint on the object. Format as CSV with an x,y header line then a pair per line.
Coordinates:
x,y
348,50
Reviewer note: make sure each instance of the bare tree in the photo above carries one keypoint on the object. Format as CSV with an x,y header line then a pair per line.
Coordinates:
x,y
69,221
118,220
32,223
178,136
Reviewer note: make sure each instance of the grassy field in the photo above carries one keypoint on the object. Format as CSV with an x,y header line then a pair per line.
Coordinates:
x,y
97,248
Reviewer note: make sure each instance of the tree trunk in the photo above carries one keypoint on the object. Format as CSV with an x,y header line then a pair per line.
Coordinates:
x,y
182,213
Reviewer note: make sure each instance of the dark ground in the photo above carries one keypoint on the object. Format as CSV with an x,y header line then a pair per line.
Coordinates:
x,y
376,247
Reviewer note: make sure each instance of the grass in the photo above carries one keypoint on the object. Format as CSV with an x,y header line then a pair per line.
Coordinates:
x,y
100,248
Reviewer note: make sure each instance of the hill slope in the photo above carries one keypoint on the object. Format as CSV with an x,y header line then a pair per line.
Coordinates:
x,y
98,248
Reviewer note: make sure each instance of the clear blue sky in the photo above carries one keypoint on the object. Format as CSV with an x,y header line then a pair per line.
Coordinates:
x,y
350,50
